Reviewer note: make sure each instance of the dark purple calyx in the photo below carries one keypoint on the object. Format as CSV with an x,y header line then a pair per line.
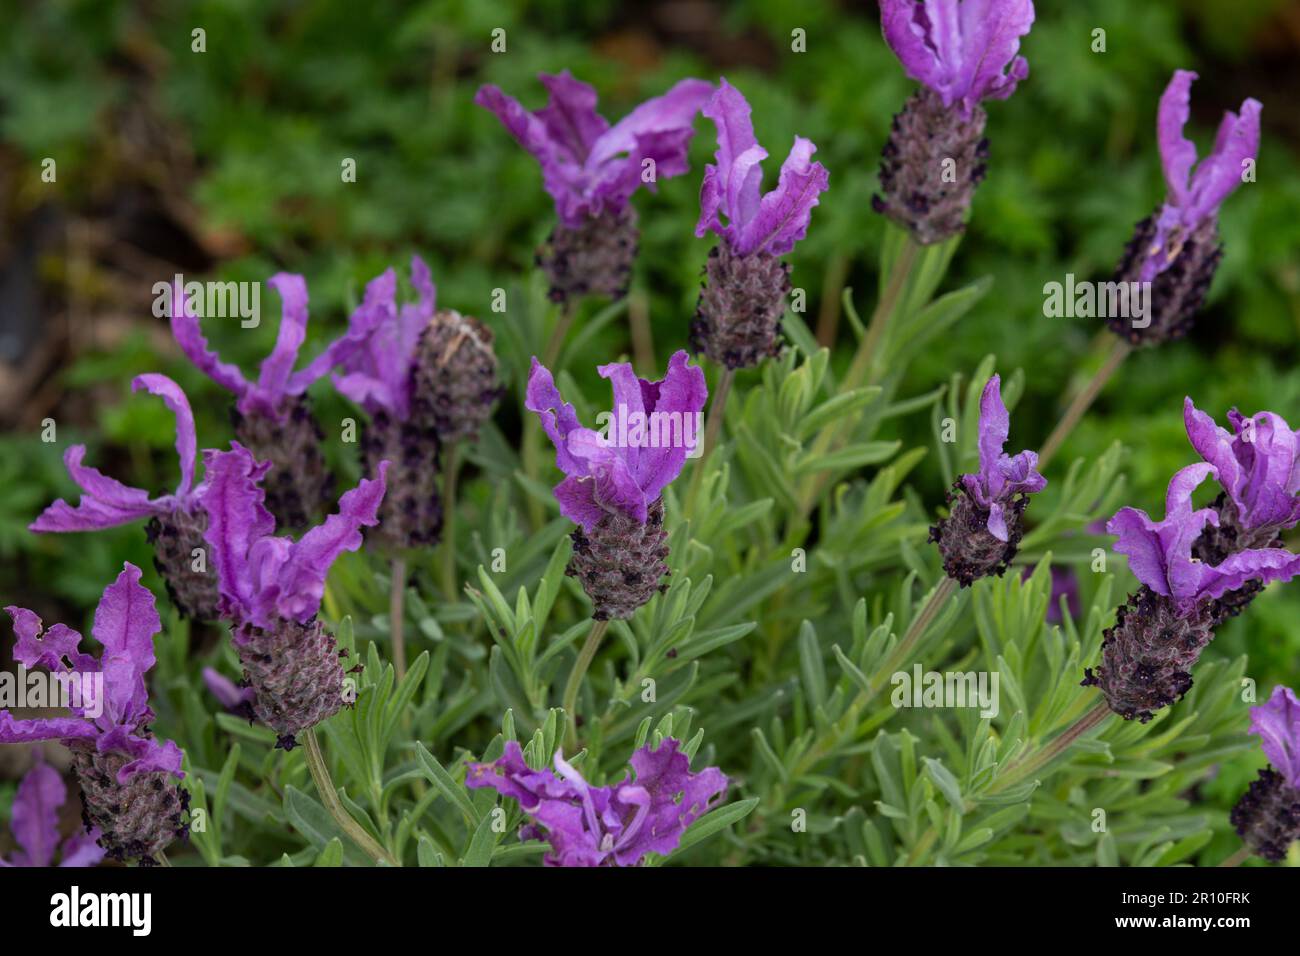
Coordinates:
x,y
454,376
930,167
296,673
594,258
969,550
136,819
1267,816
1217,543
410,515
1178,292
298,485
738,315
175,538
1147,656
620,562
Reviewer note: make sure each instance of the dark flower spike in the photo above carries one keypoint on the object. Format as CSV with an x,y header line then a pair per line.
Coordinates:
x,y
176,520
738,316
591,170
961,52
271,590
1158,636
613,483
271,415
125,773
35,825
985,524
389,364
605,826
1267,817
1177,248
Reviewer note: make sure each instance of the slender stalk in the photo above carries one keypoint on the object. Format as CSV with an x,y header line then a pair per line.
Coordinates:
x,y
638,315
1082,401
712,431
1037,760
585,656
320,775
828,318
1238,858
451,469
861,370
556,343
161,857
397,615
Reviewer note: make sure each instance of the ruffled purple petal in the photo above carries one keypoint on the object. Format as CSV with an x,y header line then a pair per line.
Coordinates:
x,y
54,650
1177,153
148,754
126,621
570,116
236,519
682,395
189,336
35,817
994,430
13,731
577,498
105,502
1258,466
784,213
557,416
1277,722
186,442
82,849
677,798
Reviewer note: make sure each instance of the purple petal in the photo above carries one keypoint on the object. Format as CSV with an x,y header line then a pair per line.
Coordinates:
x,y
674,112
1264,565
189,336
904,25
1277,722
991,32
14,731
1177,153
677,798
614,486
734,185
105,502
994,430
301,583
186,444
53,650
570,116
228,695
784,213
236,519
82,849
126,621
557,416
376,354
35,819
1219,174
148,754
681,395
1259,466
577,498
273,378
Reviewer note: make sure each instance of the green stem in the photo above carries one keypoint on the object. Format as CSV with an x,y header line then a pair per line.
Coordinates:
x,y
712,431
1238,858
1114,358
449,475
585,656
161,857
556,343
320,775
397,615
1029,765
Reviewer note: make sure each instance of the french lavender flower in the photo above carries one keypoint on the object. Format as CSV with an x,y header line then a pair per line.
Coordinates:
x,y
271,589
272,416
127,776
1177,248
605,826
738,316
961,52
1267,817
591,170
1158,635
426,377
35,825
1258,465
176,521
613,483
986,510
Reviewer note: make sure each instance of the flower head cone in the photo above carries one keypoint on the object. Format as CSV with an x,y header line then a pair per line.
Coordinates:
x,y
176,521
961,52
127,777
614,481
738,316
271,415
983,529
613,825
1176,249
35,825
1267,817
591,169
271,590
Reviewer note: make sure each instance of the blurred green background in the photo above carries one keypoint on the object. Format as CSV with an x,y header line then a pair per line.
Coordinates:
x,y
226,164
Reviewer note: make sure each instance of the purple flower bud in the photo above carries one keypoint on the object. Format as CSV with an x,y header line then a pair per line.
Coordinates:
x,y
271,590
1177,248
984,527
1268,816
35,825
176,521
738,316
271,415
614,481
127,777
591,170
613,825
